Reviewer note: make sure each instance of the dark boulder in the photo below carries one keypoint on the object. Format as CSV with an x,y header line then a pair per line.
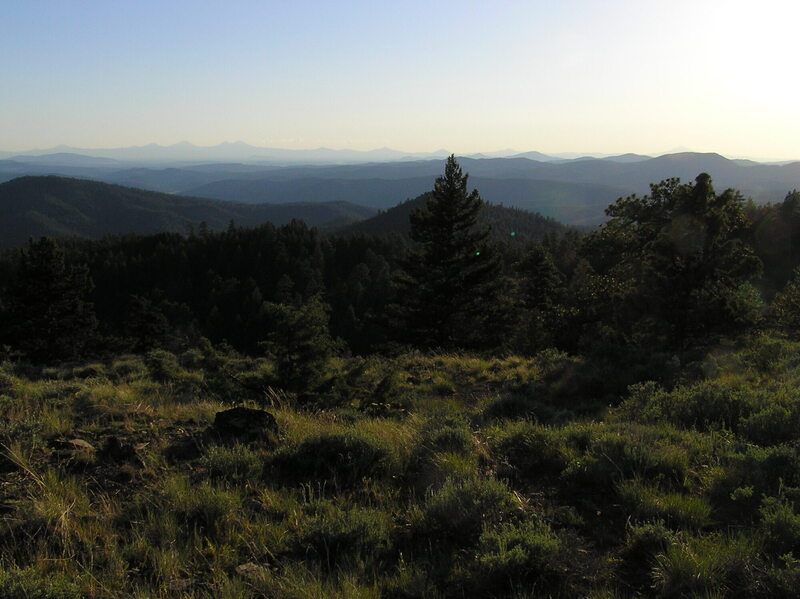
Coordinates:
x,y
185,448
118,451
245,425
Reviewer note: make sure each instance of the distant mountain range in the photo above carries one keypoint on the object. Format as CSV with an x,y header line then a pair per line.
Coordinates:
x,y
187,153
184,154
574,191
62,207
226,152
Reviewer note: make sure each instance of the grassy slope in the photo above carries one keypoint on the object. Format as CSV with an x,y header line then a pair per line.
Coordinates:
x,y
440,476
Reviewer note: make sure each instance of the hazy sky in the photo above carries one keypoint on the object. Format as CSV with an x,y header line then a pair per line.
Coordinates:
x,y
568,75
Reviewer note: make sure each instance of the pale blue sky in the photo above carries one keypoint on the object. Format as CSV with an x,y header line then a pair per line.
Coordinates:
x,y
573,75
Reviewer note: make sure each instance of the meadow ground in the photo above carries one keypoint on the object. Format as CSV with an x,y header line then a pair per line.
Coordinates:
x,y
418,476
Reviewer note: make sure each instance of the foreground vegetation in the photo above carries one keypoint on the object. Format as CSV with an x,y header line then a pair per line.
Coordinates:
x,y
419,476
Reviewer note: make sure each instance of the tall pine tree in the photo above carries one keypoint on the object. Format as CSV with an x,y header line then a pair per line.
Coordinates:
x,y
449,285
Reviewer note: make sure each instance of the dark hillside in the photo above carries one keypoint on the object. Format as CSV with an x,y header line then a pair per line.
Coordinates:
x,y
62,207
503,220
376,193
568,202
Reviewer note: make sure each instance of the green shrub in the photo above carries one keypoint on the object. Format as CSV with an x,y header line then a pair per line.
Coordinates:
x,y
237,464
450,437
459,510
769,354
164,368
163,365
515,554
516,406
748,476
6,383
343,460
783,582
638,556
28,583
532,452
626,452
128,367
709,405
334,536
221,373
89,371
447,449
702,566
781,525
201,507
678,510
412,581
773,425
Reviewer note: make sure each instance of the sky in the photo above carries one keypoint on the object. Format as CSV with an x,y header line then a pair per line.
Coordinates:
x,y
600,76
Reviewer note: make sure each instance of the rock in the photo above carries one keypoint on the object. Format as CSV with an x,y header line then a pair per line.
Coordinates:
x,y
184,449
80,445
180,585
115,450
7,464
76,454
250,570
245,425
71,446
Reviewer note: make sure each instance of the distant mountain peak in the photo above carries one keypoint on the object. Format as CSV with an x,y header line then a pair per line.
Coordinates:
x,y
694,156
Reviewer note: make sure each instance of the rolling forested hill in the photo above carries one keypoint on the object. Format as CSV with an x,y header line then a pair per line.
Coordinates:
x,y
566,201
62,207
503,221
65,207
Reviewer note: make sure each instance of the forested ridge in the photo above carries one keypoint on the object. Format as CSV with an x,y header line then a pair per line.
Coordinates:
x,y
504,221
459,408
65,207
